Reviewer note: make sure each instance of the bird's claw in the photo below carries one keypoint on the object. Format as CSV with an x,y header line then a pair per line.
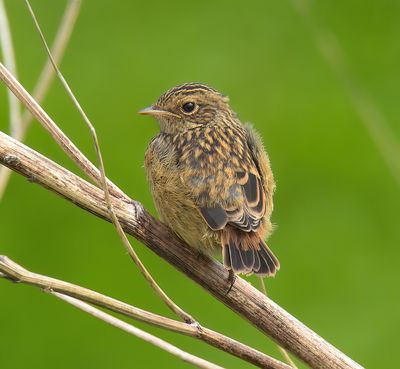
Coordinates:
x,y
231,279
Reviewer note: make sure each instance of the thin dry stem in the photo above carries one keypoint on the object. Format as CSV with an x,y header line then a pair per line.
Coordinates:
x,y
287,357
15,272
284,353
39,92
9,60
167,300
158,342
15,123
57,51
64,142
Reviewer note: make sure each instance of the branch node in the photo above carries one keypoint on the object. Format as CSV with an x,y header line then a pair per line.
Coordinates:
x,y
138,209
11,160
190,321
31,178
198,327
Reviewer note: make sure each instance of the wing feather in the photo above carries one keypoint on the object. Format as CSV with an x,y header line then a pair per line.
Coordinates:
x,y
238,193
245,216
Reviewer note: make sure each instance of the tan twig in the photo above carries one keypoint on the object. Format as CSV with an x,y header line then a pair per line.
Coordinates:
x,y
57,51
63,141
368,110
183,355
242,298
39,92
9,60
15,272
167,300
284,353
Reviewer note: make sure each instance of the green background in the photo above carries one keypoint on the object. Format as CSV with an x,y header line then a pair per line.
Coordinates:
x,y
336,206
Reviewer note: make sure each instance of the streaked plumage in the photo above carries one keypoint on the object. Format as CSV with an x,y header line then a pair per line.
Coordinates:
x,y
211,179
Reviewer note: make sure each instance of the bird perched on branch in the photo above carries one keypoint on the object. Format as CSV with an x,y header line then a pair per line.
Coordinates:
x,y
211,178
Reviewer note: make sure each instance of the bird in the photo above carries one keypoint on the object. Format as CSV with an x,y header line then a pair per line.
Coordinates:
x,y
211,178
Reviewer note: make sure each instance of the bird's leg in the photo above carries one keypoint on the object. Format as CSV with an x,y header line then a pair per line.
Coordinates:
x,y
231,279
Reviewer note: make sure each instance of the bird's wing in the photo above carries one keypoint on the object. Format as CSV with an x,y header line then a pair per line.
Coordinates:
x,y
261,161
228,185
245,214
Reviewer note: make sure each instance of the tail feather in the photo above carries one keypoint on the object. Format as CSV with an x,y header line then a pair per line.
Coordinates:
x,y
237,263
257,262
250,258
264,268
269,258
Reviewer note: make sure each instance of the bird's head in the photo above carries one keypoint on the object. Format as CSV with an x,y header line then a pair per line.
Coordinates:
x,y
189,106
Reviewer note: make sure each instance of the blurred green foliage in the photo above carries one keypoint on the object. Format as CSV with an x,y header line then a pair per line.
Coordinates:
x,y
336,206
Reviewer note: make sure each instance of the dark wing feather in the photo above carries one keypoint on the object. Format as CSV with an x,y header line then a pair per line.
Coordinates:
x,y
216,218
245,216
248,217
241,200
261,161
251,190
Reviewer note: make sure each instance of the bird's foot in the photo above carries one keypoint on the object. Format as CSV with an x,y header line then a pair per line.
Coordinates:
x,y
231,279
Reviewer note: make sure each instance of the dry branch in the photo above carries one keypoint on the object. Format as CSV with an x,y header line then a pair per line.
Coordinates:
x,y
120,324
11,270
243,298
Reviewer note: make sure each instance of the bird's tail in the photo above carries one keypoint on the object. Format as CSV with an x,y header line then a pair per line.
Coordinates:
x,y
248,255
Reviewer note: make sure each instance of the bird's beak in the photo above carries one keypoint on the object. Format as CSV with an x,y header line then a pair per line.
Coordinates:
x,y
155,111
151,110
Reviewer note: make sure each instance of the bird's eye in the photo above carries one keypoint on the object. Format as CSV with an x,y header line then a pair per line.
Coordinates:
x,y
188,107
